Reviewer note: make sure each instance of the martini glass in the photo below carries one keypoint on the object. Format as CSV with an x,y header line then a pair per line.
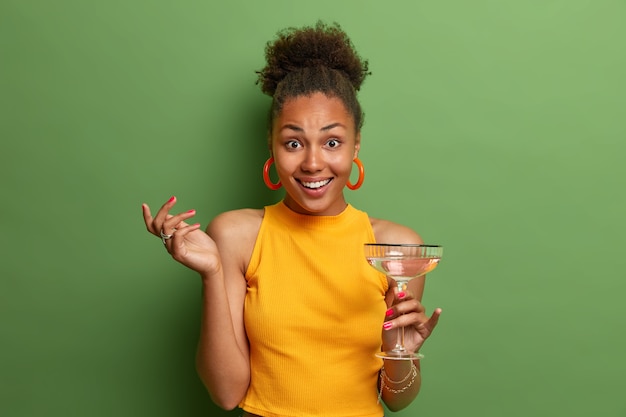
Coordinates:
x,y
402,262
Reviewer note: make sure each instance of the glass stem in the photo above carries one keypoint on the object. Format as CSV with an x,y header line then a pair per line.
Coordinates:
x,y
402,286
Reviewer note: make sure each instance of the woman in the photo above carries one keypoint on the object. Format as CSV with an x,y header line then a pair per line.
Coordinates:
x,y
292,313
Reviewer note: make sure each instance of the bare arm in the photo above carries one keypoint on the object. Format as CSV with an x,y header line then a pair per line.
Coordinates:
x,y
222,359
220,256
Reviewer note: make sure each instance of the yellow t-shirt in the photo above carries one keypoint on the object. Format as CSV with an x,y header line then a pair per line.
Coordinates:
x,y
314,311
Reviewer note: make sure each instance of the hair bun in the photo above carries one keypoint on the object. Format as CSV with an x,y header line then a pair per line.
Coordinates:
x,y
308,47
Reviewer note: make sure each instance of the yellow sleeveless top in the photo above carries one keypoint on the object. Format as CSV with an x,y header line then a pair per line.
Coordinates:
x,y
314,311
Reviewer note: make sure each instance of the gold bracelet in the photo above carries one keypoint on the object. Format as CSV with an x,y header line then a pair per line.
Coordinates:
x,y
383,376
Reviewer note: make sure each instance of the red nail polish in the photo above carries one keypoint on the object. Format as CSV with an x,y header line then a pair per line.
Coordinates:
x,y
388,325
191,211
389,312
401,294
171,199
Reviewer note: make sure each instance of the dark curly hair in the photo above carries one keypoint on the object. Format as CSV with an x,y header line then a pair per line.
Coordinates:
x,y
311,59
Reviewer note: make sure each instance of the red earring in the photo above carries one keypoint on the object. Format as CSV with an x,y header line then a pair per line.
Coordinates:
x,y
266,175
359,182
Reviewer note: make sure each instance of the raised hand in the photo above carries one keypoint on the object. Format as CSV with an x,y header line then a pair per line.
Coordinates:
x,y
409,313
186,243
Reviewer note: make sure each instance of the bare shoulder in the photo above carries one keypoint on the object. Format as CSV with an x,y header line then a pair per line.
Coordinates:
x,y
242,224
235,233
386,231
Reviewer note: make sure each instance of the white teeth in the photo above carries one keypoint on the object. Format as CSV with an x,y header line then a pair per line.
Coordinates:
x,y
316,184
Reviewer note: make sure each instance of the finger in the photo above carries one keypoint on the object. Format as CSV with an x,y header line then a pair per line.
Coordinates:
x,y
188,228
178,238
408,306
147,218
401,320
402,295
163,214
175,222
152,225
411,314
433,320
177,246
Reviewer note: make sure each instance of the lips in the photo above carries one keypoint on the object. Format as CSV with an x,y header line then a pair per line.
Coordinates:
x,y
314,185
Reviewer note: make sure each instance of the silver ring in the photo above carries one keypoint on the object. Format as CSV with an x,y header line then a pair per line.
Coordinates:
x,y
165,237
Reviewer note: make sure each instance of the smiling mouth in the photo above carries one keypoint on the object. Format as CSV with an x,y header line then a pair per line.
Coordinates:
x,y
316,184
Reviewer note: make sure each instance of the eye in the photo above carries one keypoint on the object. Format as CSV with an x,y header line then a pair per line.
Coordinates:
x,y
293,144
333,143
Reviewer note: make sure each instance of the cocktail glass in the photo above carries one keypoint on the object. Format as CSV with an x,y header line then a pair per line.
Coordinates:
x,y
402,262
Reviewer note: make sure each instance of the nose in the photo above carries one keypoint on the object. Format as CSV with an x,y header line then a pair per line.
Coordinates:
x,y
313,161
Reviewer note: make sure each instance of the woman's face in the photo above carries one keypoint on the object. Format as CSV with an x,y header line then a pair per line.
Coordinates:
x,y
314,141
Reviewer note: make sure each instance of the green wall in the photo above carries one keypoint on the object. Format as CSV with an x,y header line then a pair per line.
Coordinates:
x,y
495,128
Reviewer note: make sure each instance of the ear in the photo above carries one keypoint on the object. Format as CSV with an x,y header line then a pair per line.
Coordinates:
x,y
357,145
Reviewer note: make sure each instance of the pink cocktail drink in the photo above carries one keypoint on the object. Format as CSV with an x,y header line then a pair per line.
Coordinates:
x,y
402,262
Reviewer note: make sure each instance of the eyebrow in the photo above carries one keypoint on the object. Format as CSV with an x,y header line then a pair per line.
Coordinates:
x,y
323,129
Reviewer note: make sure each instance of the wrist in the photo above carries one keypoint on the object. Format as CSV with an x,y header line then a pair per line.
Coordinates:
x,y
211,274
397,386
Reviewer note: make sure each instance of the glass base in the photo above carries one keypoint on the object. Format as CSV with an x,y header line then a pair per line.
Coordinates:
x,y
399,355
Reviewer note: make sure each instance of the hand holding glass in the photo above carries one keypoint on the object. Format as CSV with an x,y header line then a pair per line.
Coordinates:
x,y
402,262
